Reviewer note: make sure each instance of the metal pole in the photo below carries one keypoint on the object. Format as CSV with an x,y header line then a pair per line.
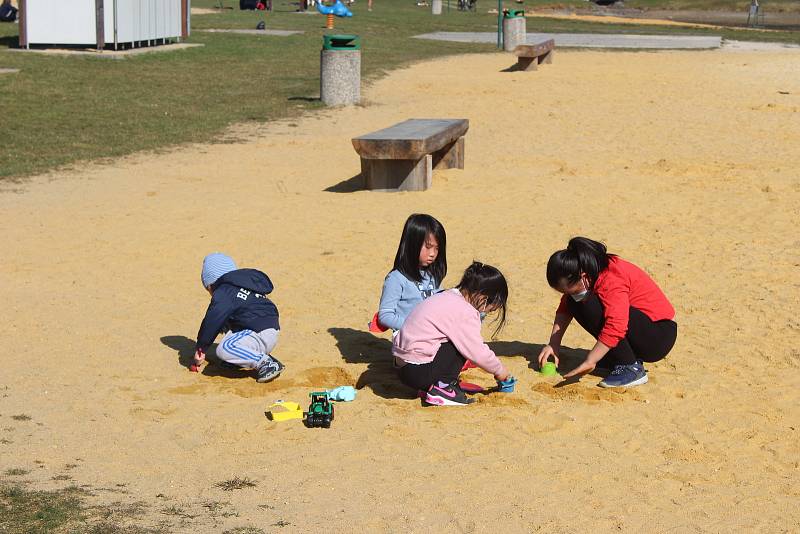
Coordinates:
x,y
499,23
116,24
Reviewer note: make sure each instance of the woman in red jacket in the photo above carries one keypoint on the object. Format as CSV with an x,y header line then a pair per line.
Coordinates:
x,y
618,304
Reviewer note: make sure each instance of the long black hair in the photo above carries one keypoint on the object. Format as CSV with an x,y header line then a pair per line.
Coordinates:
x,y
482,279
582,255
417,228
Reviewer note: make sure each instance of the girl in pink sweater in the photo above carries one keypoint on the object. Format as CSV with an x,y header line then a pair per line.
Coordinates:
x,y
444,331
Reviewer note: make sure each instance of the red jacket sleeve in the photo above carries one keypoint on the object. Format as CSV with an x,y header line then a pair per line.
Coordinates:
x,y
614,293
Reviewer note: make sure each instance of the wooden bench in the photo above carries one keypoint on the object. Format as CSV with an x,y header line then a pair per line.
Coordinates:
x,y
530,56
402,157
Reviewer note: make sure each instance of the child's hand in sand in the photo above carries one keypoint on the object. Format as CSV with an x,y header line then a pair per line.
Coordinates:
x,y
545,354
503,376
199,357
582,369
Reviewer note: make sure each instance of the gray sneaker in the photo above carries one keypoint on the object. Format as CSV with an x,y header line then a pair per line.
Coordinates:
x,y
625,376
269,369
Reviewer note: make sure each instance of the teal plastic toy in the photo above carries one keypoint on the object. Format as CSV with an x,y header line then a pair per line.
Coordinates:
x,y
507,385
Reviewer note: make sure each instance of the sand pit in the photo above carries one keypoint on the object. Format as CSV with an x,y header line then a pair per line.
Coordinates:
x,y
683,162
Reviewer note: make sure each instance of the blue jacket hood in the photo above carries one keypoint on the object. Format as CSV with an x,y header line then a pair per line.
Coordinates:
x,y
251,279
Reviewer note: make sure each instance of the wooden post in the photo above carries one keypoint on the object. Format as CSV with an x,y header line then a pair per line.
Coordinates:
x,y
184,19
100,24
23,24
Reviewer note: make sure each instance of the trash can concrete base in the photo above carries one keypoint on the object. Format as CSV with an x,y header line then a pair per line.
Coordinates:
x,y
513,33
340,77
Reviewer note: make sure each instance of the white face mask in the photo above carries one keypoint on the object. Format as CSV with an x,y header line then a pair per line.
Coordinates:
x,y
578,297
482,315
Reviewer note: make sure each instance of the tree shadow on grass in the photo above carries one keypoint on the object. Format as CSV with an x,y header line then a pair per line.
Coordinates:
x,y
357,346
216,367
351,185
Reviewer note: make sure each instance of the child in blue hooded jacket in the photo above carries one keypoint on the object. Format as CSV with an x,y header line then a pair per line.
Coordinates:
x,y
240,307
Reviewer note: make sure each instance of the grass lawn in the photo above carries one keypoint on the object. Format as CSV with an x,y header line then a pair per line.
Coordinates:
x,y
60,110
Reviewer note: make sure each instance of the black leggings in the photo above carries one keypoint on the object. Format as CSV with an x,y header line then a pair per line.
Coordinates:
x,y
445,367
646,340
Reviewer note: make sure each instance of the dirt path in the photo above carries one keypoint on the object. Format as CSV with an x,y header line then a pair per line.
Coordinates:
x,y
683,162
773,20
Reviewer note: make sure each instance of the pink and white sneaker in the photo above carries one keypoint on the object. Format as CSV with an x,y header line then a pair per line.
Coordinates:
x,y
452,395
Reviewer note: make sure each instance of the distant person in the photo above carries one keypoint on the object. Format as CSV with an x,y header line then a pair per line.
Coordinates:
x,y
420,266
618,304
240,307
8,13
444,332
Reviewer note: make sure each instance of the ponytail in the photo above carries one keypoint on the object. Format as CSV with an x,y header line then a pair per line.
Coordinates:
x,y
482,279
582,255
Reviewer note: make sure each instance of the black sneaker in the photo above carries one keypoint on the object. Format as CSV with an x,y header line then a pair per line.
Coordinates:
x,y
452,395
269,369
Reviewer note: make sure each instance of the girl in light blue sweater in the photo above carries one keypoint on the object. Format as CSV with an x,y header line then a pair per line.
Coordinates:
x,y
420,265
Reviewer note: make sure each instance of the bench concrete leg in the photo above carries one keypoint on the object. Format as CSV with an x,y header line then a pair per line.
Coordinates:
x,y
451,156
526,63
546,58
397,174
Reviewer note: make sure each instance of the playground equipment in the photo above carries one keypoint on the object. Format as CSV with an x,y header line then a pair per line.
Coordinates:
x,y
102,22
338,9
340,70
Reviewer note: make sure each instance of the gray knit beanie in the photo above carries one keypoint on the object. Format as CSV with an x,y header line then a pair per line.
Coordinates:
x,y
214,266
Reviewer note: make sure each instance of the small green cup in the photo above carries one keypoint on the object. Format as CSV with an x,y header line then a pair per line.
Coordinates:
x,y
549,369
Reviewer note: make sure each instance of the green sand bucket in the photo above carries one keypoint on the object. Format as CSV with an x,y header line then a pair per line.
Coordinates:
x,y
549,369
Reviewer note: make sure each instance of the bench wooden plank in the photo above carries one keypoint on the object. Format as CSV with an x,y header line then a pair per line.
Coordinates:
x,y
411,139
534,50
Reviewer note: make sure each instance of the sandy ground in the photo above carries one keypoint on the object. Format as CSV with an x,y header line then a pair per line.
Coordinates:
x,y
686,163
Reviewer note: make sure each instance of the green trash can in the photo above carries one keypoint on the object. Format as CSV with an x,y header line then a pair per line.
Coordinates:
x,y
340,70
513,29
